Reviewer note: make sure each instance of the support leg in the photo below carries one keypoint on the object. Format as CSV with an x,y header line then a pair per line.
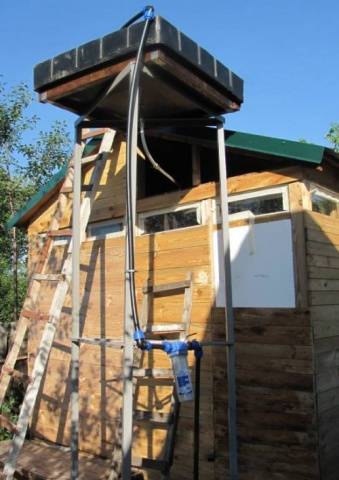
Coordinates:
x,y
127,415
229,318
75,308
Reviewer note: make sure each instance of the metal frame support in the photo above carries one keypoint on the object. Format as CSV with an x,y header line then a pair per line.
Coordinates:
x,y
127,411
229,317
75,306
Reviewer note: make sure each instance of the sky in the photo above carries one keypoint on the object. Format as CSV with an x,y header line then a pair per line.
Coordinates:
x,y
287,52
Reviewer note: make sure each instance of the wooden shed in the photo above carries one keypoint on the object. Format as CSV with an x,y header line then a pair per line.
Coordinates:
x,y
284,231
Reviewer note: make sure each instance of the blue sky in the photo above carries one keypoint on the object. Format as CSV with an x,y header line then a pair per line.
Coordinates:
x,y
287,52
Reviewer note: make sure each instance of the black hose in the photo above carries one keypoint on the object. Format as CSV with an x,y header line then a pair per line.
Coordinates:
x,y
130,131
196,419
148,154
137,16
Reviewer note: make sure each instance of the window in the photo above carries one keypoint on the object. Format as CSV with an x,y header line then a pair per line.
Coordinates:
x,y
260,202
170,220
324,203
108,228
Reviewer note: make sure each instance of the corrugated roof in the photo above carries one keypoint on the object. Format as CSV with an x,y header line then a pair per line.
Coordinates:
x,y
298,151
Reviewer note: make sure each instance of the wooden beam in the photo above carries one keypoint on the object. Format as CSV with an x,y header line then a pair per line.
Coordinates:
x,y
296,199
196,166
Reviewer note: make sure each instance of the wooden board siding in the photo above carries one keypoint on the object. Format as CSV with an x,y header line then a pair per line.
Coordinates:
x,y
277,433
322,244
276,415
161,258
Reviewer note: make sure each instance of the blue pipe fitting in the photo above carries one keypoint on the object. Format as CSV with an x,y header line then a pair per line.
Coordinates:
x,y
148,12
147,345
197,348
139,336
175,348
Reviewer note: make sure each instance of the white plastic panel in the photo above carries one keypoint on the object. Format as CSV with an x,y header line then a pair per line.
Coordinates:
x,y
262,266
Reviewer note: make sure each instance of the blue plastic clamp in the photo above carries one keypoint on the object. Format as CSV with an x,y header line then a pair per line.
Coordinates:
x,y
139,335
149,12
175,348
197,347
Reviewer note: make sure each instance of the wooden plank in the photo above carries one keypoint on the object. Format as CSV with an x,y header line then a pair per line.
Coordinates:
x,y
295,191
48,277
167,287
324,223
196,166
323,261
318,248
166,328
324,298
66,232
7,424
323,285
323,273
92,133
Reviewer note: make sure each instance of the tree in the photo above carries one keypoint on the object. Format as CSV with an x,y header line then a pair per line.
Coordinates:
x,y
24,167
333,136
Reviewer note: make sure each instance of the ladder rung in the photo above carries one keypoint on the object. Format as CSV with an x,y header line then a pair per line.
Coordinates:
x,y
34,315
66,190
167,287
153,372
94,133
153,417
140,462
67,232
103,342
91,158
17,374
166,328
7,424
49,277
86,188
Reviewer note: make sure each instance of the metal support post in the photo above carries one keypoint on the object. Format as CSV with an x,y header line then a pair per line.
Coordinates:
x,y
127,413
75,307
229,318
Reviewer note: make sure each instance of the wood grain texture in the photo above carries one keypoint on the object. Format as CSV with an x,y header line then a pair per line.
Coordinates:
x,y
322,235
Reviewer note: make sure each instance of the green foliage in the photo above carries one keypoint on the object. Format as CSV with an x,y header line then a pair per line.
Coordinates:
x,y
11,407
333,136
24,167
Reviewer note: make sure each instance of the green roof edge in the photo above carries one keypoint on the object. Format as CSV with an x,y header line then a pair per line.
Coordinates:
x,y
37,197
306,152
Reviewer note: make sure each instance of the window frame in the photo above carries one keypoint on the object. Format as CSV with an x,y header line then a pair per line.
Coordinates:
x,y
325,193
114,221
200,206
263,192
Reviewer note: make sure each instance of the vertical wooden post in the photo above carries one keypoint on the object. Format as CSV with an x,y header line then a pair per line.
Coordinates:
x,y
196,170
298,200
75,306
229,317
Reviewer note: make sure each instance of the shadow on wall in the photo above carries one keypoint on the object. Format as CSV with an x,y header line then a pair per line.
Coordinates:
x,y
274,365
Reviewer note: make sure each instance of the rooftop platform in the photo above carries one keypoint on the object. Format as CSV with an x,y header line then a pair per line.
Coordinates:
x,y
180,78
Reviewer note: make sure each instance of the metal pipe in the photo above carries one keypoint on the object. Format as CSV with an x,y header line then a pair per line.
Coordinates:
x,y
127,408
229,317
75,307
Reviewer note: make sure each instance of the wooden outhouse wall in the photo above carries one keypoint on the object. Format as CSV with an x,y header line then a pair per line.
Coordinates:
x,y
278,408
322,234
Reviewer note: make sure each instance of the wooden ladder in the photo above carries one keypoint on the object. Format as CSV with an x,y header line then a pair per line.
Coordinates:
x,y
153,419
62,286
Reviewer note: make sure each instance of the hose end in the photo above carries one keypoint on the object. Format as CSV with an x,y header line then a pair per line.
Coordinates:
x,y
149,12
